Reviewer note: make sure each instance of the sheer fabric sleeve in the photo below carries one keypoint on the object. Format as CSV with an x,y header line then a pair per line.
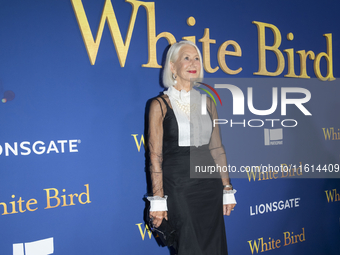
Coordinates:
x,y
216,147
155,144
218,153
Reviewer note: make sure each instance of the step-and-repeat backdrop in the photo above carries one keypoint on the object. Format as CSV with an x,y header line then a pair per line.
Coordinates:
x,y
76,79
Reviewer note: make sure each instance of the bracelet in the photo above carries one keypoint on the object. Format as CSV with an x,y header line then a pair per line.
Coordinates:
x,y
228,186
233,191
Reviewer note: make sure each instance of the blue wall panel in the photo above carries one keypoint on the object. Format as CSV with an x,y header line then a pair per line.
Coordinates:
x,y
72,130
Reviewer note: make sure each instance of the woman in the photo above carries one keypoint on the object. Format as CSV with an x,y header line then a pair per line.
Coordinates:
x,y
193,206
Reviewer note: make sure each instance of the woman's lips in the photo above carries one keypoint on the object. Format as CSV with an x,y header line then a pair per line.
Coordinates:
x,y
194,71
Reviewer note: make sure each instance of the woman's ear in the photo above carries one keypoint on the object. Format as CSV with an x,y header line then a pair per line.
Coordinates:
x,y
172,67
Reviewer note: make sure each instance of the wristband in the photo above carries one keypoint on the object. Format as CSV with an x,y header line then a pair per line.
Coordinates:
x,y
229,197
158,203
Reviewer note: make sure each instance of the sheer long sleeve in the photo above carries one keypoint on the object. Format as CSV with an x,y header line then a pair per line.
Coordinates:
x,y
216,147
155,145
218,153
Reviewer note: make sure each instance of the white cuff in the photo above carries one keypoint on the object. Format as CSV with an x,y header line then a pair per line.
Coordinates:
x,y
158,203
229,197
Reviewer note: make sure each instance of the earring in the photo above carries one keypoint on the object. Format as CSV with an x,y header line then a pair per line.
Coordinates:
x,y
174,77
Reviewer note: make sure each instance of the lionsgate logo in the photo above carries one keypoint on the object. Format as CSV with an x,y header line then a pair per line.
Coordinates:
x,y
273,136
26,148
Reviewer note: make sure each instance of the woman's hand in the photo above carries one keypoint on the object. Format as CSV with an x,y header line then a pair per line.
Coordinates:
x,y
157,217
228,208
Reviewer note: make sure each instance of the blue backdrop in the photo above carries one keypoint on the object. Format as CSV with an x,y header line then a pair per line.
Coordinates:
x,y
72,133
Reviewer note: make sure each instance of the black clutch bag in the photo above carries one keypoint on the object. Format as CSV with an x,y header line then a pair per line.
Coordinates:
x,y
166,233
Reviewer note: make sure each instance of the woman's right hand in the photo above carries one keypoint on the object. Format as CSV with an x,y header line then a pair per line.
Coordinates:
x,y
157,217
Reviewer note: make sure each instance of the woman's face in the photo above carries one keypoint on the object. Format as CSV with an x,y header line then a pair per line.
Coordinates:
x,y
187,65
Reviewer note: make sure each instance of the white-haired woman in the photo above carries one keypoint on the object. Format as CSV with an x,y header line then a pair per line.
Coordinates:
x,y
193,206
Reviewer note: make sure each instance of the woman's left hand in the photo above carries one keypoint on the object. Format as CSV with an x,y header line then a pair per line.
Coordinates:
x,y
228,208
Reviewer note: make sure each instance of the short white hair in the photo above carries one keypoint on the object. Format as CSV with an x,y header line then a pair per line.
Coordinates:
x,y
172,56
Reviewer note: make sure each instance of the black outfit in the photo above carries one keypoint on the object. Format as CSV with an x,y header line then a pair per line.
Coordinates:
x,y
195,205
